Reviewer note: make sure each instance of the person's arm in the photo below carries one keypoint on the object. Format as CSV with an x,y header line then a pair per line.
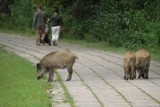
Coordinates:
x,y
34,20
45,17
61,21
50,19
62,28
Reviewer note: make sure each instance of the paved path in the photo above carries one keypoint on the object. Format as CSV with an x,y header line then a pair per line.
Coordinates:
x,y
97,79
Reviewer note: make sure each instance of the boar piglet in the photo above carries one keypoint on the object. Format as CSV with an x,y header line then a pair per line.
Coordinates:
x,y
129,66
56,60
142,63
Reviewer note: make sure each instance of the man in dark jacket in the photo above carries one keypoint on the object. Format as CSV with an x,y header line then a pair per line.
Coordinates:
x,y
56,22
39,21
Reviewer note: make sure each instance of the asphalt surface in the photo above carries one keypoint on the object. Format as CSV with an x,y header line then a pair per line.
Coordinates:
x,y
97,79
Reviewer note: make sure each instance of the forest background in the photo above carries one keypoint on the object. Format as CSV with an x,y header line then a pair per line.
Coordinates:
x,y
130,24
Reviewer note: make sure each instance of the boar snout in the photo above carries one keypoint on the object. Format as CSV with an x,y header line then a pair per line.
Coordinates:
x,y
40,74
38,77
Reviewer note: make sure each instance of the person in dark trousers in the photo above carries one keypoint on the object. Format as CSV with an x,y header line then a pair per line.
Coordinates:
x,y
39,21
56,26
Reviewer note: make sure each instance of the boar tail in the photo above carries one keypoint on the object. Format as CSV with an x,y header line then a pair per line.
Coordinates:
x,y
76,57
129,60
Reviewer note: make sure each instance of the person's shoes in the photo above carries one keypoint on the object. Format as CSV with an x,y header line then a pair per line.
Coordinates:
x,y
37,44
55,44
49,43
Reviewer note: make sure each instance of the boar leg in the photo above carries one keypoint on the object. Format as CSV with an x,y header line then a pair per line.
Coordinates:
x,y
146,74
147,71
70,71
128,75
125,77
125,73
51,73
133,73
139,76
142,75
131,76
139,73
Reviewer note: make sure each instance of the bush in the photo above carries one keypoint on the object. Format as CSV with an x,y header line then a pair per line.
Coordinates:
x,y
22,14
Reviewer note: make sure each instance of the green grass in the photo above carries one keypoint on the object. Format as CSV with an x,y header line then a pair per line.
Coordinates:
x,y
26,32
18,84
97,45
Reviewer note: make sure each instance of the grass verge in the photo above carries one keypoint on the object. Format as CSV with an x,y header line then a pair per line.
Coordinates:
x,y
27,32
105,47
66,92
98,45
18,84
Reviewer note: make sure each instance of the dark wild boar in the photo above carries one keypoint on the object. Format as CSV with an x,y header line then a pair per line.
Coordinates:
x,y
129,66
56,60
142,63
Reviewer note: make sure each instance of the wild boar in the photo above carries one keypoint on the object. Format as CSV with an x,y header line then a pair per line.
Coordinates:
x,y
129,66
142,63
56,60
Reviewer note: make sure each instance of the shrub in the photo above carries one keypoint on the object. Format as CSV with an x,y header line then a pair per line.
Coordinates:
x,y
22,14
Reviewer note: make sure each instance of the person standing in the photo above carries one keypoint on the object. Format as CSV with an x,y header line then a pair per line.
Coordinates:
x,y
56,26
39,21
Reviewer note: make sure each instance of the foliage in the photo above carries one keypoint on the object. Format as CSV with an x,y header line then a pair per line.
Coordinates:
x,y
122,23
22,13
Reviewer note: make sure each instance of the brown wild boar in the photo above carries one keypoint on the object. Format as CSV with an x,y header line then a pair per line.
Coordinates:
x,y
142,63
56,60
129,66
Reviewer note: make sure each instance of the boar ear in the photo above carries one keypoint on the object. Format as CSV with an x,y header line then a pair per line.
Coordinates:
x,y
38,65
